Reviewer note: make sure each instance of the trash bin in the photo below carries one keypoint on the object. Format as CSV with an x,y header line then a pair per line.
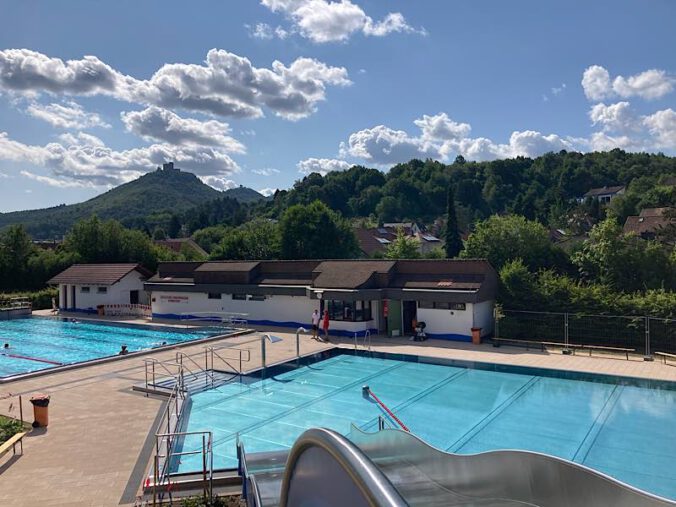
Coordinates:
x,y
476,335
40,410
100,309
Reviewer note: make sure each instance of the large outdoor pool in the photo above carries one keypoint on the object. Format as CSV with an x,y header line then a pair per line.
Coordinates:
x,y
624,431
39,343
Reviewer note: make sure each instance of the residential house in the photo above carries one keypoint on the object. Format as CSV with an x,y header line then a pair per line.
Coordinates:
x,y
650,222
603,194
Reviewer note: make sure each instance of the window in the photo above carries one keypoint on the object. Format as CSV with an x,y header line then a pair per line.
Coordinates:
x,y
441,305
239,297
349,311
102,290
84,290
214,295
256,297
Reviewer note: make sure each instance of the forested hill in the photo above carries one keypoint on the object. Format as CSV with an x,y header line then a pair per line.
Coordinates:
x,y
139,203
542,188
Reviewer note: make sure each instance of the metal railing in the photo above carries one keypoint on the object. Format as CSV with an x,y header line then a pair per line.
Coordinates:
x,y
366,342
128,310
644,335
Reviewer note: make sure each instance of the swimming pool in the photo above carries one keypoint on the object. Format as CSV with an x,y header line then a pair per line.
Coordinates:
x,y
39,343
624,431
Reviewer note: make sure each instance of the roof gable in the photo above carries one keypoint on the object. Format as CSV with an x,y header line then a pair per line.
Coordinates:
x,y
97,274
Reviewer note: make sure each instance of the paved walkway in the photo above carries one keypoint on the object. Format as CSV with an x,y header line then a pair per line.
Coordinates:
x,y
90,454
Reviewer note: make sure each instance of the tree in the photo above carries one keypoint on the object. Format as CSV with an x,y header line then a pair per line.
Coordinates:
x,y
403,247
624,261
255,240
174,228
502,239
315,232
159,234
453,241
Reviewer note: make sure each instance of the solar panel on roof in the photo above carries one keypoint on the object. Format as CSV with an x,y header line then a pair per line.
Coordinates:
x,y
429,237
383,240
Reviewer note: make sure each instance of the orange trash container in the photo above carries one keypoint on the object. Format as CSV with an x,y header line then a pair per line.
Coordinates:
x,y
476,335
40,410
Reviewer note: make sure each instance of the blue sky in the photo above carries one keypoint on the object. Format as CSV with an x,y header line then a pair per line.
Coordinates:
x,y
94,93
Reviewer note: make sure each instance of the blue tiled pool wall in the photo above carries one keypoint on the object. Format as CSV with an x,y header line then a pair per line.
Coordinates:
x,y
623,430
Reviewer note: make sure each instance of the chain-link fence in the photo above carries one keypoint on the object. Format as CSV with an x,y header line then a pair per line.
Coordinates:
x,y
642,335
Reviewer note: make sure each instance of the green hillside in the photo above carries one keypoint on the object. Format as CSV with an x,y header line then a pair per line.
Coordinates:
x,y
158,193
244,195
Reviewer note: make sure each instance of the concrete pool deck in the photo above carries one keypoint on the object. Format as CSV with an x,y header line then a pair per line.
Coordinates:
x,y
95,450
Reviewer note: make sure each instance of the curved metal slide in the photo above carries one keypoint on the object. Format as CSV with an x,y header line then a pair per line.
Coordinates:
x,y
393,468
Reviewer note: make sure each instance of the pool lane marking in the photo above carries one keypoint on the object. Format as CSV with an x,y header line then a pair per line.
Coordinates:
x,y
17,356
488,418
597,426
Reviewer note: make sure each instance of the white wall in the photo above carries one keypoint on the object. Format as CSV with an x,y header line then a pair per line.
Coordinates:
x,y
117,294
483,316
447,322
276,309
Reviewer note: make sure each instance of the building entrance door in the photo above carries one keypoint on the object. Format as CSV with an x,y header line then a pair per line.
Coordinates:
x,y
409,311
72,296
133,297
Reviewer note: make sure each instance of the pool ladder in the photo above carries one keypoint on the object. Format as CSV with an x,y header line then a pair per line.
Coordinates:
x,y
366,342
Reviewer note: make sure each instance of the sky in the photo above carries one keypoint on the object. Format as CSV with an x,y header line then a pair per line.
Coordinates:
x,y
260,93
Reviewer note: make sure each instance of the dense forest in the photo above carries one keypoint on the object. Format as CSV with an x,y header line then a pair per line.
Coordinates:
x,y
505,210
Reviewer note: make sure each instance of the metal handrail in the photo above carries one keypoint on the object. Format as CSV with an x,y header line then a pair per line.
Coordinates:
x,y
208,375
365,341
163,364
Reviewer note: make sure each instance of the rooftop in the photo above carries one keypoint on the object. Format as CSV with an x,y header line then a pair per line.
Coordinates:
x,y
97,274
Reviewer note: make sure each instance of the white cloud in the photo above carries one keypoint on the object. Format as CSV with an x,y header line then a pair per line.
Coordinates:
x,y
218,182
267,192
324,21
596,83
85,160
226,85
266,171
558,90
157,124
69,115
322,166
614,117
662,126
260,31
651,84
441,137
52,182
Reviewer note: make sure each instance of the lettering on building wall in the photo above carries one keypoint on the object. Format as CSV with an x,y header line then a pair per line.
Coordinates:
x,y
175,299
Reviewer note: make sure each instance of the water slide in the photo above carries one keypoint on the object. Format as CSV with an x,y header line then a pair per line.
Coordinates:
x,y
393,468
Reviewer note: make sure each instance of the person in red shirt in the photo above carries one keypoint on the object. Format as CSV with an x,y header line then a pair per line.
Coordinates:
x,y
325,325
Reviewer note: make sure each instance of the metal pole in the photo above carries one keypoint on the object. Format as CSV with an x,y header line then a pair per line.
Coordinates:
x,y
566,340
21,411
298,331
263,356
647,356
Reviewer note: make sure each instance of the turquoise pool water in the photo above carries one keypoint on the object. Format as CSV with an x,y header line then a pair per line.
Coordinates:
x,y
40,343
626,432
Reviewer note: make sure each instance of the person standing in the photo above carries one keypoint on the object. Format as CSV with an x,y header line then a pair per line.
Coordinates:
x,y
315,324
325,325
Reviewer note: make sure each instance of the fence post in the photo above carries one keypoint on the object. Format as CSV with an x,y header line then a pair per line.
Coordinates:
x,y
566,341
647,356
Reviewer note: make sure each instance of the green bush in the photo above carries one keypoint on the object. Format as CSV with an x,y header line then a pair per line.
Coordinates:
x,y
41,299
9,428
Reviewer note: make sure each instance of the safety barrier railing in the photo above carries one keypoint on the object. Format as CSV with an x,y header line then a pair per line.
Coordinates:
x,y
642,335
15,303
366,342
211,354
128,310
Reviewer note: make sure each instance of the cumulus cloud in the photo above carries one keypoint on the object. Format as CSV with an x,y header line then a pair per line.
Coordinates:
x,y
662,126
69,115
157,124
85,160
651,84
219,182
267,192
440,137
614,117
225,85
324,21
264,31
322,166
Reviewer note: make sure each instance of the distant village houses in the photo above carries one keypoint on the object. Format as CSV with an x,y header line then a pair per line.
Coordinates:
x,y
651,223
374,241
603,194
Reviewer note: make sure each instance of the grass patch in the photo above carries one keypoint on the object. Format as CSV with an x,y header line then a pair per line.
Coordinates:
x,y
9,428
